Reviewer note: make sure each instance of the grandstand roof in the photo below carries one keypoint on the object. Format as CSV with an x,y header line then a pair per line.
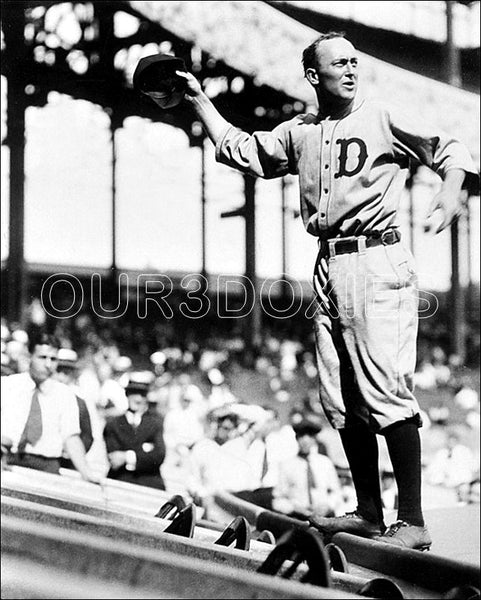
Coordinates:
x,y
420,18
265,44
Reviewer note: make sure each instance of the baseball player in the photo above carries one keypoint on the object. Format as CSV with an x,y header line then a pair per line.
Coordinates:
x,y
352,159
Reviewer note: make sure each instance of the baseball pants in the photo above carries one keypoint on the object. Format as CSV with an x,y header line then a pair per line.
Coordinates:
x,y
365,322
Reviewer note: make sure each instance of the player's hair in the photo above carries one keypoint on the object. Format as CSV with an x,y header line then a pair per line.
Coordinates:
x,y
42,339
309,56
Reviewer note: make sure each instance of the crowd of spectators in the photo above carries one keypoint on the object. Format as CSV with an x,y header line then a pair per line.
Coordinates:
x,y
229,427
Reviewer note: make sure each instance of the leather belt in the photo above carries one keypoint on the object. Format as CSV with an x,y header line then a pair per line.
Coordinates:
x,y
346,245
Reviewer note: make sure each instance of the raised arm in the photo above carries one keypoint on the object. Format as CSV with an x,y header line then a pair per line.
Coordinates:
x,y
214,123
262,154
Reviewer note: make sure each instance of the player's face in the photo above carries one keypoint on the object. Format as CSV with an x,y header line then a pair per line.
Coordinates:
x,y
337,69
43,363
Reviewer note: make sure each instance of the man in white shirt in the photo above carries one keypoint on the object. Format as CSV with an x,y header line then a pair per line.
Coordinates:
x,y
40,416
307,482
219,463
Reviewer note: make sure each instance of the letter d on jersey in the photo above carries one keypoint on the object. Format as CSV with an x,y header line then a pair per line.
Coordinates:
x,y
345,154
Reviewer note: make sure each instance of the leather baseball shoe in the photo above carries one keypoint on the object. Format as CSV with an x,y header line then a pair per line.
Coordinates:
x,y
351,522
404,535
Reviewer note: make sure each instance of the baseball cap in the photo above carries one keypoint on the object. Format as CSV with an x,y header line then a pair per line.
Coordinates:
x,y
155,76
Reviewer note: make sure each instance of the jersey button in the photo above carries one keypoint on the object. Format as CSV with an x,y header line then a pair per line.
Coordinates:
x,y
327,141
326,191
323,215
326,166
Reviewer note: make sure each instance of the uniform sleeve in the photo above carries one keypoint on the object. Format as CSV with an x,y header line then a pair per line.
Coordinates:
x,y
263,154
433,147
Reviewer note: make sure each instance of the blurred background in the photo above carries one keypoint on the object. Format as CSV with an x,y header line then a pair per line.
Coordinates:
x,y
100,188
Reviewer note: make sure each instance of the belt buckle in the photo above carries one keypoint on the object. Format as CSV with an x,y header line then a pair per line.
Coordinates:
x,y
360,241
333,241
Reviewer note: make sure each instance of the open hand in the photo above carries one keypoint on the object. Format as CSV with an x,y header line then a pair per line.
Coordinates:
x,y
444,208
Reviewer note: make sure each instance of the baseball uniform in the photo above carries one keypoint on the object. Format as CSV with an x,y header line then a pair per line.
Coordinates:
x,y
352,171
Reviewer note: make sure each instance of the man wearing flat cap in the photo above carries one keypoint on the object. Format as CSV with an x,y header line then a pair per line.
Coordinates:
x,y
307,482
134,440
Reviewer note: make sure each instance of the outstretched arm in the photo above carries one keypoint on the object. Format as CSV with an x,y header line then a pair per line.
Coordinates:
x,y
262,154
214,123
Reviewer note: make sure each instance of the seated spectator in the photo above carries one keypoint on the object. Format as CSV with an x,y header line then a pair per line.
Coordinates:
x,y
113,401
134,440
40,417
466,396
220,394
453,466
269,445
184,426
219,462
308,483
425,376
7,366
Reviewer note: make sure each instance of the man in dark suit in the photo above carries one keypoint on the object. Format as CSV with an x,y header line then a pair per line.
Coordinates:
x,y
134,440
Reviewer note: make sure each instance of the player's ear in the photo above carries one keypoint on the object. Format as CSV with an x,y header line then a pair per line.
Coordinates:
x,y
312,76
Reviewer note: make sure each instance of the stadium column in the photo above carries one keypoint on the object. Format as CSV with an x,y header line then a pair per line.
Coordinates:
x,y
106,74
458,327
203,201
284,230
16,69
253,319
115,123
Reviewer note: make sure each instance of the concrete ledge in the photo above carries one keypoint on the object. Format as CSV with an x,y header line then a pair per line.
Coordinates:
x,y
31,581
148,539
169,574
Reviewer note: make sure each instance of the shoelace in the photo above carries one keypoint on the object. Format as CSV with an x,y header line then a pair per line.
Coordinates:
x,y
395,527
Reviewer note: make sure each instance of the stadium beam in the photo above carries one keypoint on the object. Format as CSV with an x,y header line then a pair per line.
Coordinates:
x,y
253,321
252,324
458,324
14,62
